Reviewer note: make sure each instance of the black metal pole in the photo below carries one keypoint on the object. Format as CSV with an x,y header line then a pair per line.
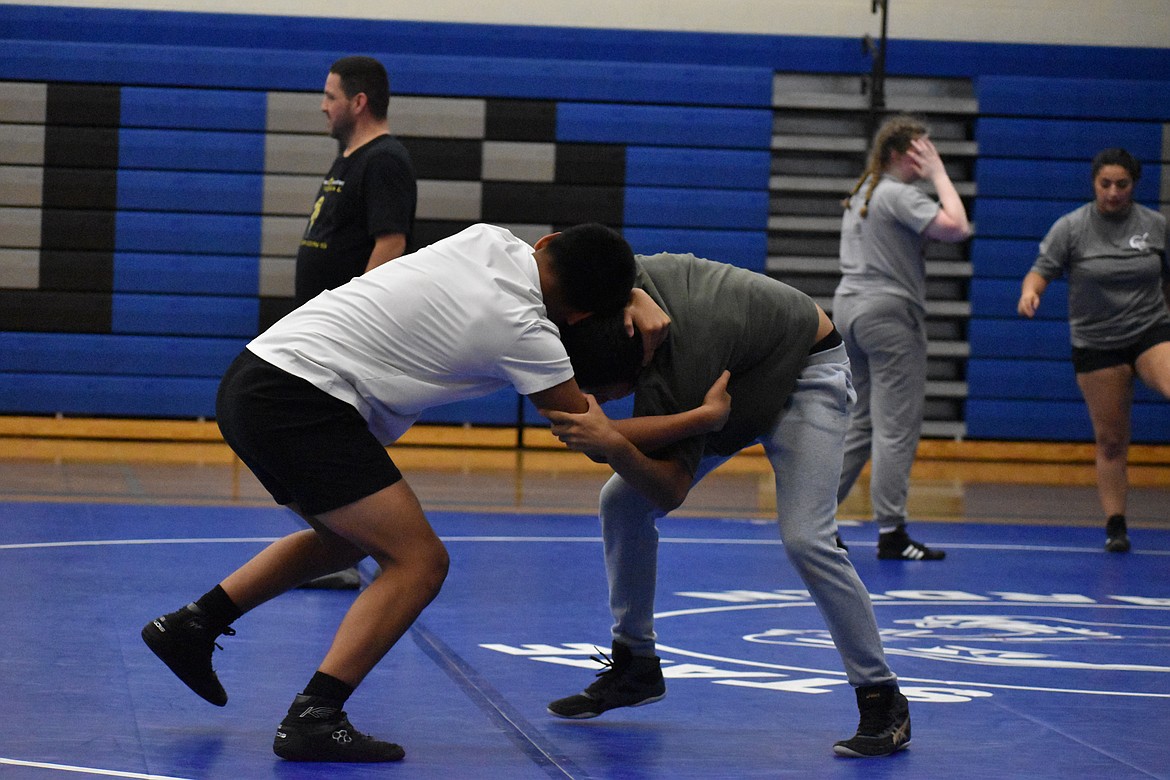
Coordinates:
x,y
877,77
519,421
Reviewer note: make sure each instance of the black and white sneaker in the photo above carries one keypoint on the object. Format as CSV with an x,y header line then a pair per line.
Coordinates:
x,y
1116,534
184,641
316,730
885,723
626,681
898,546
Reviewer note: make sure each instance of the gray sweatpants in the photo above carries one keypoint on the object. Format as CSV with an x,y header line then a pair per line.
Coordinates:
x,y
885,336
804,448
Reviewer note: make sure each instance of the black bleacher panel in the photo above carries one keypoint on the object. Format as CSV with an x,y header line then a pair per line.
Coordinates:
x,y
77,271
83,105
521,120
72,229
271,310
81,147
80,188
55,312
591,164
428,231
551,203
445,158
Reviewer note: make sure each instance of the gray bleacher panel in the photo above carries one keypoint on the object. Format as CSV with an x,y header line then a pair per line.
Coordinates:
x,y
21,185
519,161
20,269
21,144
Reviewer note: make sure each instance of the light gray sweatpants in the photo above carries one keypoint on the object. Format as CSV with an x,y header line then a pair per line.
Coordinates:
x,y
804,448
885,336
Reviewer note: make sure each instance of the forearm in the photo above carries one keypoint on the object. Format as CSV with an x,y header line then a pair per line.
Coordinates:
x,y
1033,284
664,482
952,205
653,433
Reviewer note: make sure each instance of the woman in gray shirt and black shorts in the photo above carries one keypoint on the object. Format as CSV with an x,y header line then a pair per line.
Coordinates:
x,y
1113,253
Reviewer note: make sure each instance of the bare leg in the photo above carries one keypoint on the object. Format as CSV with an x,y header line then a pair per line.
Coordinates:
x,y
1153,366
390,527
1108,393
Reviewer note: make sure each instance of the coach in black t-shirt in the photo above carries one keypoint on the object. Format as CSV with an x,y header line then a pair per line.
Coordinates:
x,y
364,211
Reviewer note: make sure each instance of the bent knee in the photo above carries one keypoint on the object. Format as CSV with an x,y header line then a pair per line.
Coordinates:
x,y
1112,447
434,568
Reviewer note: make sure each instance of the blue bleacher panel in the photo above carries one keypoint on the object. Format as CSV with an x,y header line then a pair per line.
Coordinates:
x,y
665,125
1041,379
146,396
1051,380
199,192
720,168
1006,218
744,248
810,53
179,66
414,74
194,150
499,408
189,315
186,274
68,353
139,231
1029,138
700,208
191,109
1009,257
1056,421
998,298
1087,98
813,54
1054,179
1018,338
579,80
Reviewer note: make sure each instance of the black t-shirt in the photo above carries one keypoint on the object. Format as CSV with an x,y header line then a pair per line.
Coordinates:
x,y
370,193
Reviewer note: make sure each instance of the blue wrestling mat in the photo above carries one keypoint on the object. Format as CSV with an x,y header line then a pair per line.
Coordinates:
x,y
1028,653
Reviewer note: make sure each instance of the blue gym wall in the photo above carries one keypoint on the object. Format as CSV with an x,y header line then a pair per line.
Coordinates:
x,y
131,265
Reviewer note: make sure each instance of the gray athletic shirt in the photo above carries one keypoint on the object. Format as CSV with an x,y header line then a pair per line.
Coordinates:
x,y
882,253
723,317
1115,270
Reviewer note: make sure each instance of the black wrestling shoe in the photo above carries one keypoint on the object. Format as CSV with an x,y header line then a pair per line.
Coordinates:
x,y
1116,536
898,546
316,730
885,723
184,641
627,681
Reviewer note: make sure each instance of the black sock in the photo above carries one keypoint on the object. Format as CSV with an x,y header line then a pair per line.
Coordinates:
x,y
326,686
218,607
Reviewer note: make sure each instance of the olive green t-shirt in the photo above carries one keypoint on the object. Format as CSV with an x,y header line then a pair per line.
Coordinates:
x,y
722,317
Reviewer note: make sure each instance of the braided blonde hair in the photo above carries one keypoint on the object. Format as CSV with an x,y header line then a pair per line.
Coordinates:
x,y
894,135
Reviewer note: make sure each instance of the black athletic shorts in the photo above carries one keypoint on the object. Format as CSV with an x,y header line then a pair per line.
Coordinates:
x,y
304,445
1086,360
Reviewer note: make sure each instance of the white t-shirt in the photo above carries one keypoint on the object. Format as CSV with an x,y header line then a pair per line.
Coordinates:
x,y
459,319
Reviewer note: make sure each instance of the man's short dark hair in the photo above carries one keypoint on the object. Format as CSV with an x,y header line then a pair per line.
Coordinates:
x,y
594,267
1117,156
601,352
365,74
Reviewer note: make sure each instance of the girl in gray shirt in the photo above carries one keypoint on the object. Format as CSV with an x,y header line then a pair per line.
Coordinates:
x,y
1113,253
880,309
